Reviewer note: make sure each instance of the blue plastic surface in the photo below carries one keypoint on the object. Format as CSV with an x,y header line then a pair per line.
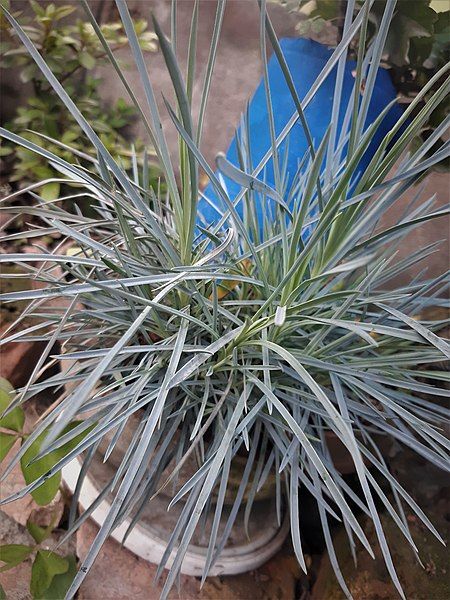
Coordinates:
x,y
305,59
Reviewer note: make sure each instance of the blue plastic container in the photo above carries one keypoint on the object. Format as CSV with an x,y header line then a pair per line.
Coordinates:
x,y
306,60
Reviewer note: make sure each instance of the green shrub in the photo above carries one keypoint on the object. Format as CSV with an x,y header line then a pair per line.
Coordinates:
x,y
72,50
417,45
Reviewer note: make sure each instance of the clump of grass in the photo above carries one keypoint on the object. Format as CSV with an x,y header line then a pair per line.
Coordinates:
x,y
225,342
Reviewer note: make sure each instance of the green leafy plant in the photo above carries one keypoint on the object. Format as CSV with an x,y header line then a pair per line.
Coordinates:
x,y
72,50
226,342
51,574
13,422
416,47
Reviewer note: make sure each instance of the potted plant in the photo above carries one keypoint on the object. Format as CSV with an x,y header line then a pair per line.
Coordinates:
x,y
247,340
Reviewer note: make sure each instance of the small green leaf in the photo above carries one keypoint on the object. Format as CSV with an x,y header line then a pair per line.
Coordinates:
x,y
45,493
16,418
40,12
6,443
46,565
5,385
61,583
64,11
2,593
37,532
50,191
87,60
14,554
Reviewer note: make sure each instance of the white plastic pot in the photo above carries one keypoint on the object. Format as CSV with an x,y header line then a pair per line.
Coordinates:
x,y
148,541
